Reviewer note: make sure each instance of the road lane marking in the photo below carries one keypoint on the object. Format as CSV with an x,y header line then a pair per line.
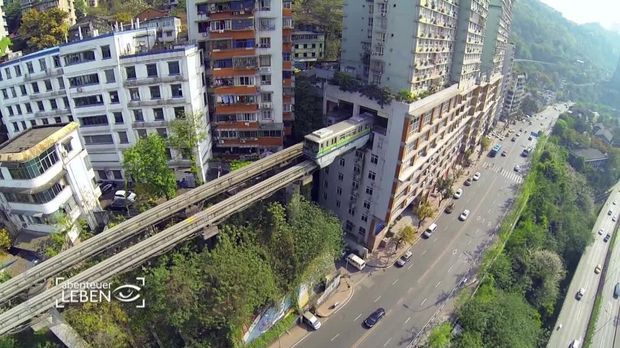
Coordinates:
x,y
425,251
406,321
377,299
358,316
408,268
394,282
436,285
333,338
387,342
423,302
449,269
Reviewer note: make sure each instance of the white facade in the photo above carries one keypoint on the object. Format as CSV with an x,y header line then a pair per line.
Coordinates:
x,y
168,28
46,170
117,86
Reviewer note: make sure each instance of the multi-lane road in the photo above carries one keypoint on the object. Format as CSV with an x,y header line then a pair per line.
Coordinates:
x,y
413,294
574,316
606,332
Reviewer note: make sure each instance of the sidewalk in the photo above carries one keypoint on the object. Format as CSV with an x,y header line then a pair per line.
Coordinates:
x,y
297,333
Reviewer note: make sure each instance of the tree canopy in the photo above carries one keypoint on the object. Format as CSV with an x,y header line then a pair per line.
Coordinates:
x,y
185,135
44,28
147,164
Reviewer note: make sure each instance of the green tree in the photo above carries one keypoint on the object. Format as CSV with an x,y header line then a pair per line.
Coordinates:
x,y
63,226
147,164
238,164
4,276
186,134
529,106
440,336
326,15
308,108
5,43
444,186
13,12
545,269
8,342
101,324
80,8
423,211
5,240
485,143
44,29
405,235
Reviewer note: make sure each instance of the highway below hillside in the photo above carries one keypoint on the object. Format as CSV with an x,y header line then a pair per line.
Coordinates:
x,y
606,333
575,314
412,295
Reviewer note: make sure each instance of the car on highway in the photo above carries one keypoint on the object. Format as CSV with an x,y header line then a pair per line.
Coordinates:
x,y
617,290
580,293
614,202
613,218
513,139
529,138
374,318
458,193
600,231
609,212
429,231
598,269
122,194
464,215
607,237
404,259
517,168
575,344
504,153
476,176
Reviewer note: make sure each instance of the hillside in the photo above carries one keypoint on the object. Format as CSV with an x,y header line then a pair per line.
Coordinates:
x,y
580,54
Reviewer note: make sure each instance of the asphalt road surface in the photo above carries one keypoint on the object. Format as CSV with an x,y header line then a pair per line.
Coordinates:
x,y
606,333
575,314
412,295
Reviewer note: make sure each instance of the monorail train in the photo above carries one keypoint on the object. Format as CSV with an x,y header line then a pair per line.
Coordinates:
x,y
327,143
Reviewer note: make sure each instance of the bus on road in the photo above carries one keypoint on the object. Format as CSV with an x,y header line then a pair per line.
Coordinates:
x,y
495,150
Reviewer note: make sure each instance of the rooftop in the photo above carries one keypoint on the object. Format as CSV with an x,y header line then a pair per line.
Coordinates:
x,y
590,154
34,141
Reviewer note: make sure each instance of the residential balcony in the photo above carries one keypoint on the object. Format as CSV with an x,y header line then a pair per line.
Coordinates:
x,y
149,124
234,108
58,112
236,90
232,52
47,95
232,125
49,72
155,102
153,80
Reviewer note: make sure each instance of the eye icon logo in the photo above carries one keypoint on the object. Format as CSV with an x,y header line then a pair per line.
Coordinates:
x,y
127,293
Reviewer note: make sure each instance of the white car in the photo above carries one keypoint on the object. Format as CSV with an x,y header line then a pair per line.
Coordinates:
x,y
458,193
517,168
464,215
477,176
600,231
598,269
580,293
613,218
122,194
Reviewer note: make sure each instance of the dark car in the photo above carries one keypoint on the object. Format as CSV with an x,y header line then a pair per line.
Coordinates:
x,y
607,238
468,182
513,139
374,318
105,187
449,208
617,290
121,205
28,255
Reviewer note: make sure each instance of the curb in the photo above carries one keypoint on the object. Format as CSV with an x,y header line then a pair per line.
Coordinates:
x,y
344,303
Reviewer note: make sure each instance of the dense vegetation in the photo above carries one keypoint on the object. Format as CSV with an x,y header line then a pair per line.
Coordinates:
x,y
206,297
583,55
324,15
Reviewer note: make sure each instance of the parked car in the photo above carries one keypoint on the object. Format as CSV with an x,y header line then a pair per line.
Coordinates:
x,y
477,176
464,215
513,139
600,231
598,269
580,293
613,218
311,320
467,182
504,153
517,168
374,318
529,138
404,259
607,237
458,193
121,204
125,195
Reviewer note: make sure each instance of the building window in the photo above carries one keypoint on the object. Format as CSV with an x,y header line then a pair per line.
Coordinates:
x,y
173,68
131,72
138,116
33,123
22,89
141,133
339,191
109,76
35,167
88,101
265,79
365,218
56,60
84,80
162,132
348,226
40,105
98,139
105,52
18,70
114,97
371,175
93,121
102,174
177,91
135,94
374,159
61,83
369,190
65,102
265,42
15,127
122,137
179,112
158,114
30,67
5,94
155,93
340,176
342,162
151,70
117,174
352,211
35,87
362,231
7,72
45,121
338,203
28,108
264,60
266,97
118,118
53,104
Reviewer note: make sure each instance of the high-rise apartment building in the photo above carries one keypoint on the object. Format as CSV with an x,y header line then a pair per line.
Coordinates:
x,y
515,91
497,41
4,32
44,171
118,86
247,49
418,46
43,5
